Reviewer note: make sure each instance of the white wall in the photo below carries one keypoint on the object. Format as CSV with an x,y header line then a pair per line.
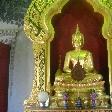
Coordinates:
x,y
4,25
22,73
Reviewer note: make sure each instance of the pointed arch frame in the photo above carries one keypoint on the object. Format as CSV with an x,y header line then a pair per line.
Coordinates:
x,y
38,28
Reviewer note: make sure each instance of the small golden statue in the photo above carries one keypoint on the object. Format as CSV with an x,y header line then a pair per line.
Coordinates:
x,y
81,78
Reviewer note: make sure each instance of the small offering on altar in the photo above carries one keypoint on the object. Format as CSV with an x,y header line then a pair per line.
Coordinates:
x,y
43,99
93,96
78,103
65,98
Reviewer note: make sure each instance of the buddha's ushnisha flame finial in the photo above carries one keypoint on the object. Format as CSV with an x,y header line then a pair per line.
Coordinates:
x,y
77,29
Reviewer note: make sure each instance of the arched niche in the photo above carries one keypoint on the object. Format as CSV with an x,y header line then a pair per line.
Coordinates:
x,y
39,29
90,23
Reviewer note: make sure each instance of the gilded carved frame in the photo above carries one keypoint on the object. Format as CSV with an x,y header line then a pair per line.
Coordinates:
x,y
38,28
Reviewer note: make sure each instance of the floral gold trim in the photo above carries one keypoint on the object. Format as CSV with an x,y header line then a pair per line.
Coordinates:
x,y
38,28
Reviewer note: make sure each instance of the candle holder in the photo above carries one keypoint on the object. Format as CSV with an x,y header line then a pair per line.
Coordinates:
x,y
93,96
65,98
78,103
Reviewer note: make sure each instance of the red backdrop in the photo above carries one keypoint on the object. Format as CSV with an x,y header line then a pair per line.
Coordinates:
x,y
4,73
90,23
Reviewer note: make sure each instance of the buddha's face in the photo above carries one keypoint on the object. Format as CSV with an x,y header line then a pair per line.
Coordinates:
x,y
78,42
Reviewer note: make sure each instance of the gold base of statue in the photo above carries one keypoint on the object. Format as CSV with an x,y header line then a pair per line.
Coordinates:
x,y
83,92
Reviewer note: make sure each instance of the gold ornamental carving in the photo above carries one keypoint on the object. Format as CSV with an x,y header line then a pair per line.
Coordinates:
x,y
38,28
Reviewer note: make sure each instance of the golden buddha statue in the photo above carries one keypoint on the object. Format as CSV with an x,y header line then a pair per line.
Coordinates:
x,y
79,79
84,57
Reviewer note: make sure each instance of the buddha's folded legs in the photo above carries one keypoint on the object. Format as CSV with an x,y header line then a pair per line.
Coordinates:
x,y
90,77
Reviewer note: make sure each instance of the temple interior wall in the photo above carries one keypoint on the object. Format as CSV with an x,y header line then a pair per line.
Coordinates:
x,y
22,78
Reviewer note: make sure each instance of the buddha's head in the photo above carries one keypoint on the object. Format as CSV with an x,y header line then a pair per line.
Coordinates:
x,y
77,39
